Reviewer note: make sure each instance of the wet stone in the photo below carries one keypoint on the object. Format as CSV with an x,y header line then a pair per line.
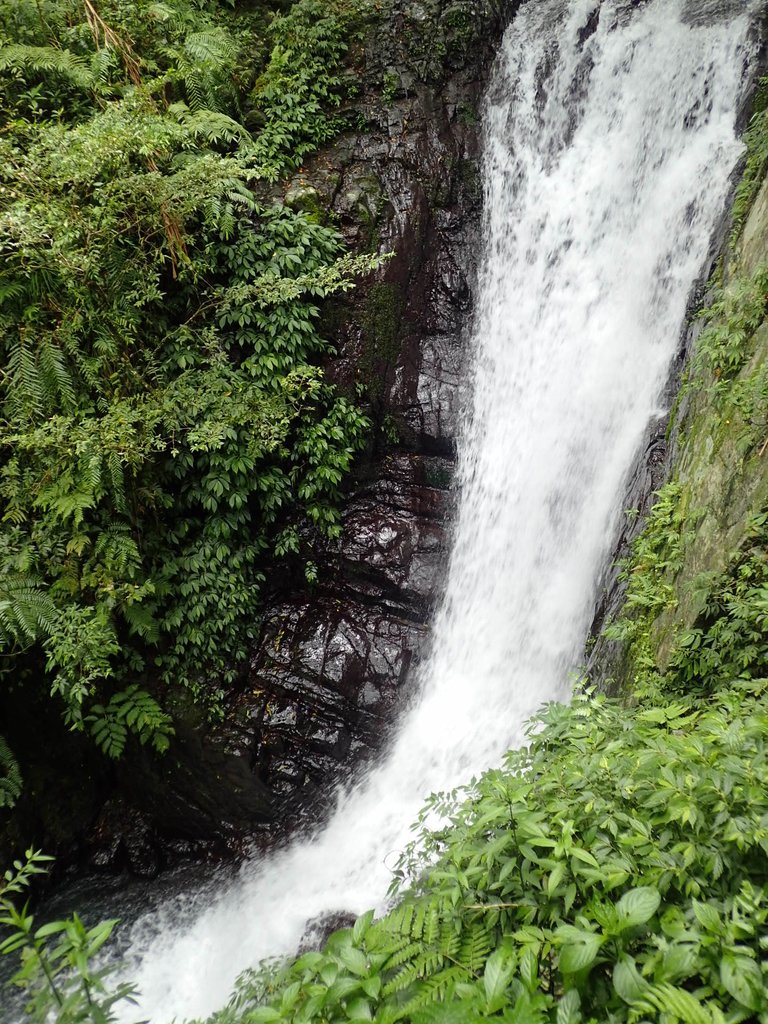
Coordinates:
x,y
319,929
333,667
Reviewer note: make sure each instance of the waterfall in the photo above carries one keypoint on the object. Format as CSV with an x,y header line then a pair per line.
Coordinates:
x,y
609,143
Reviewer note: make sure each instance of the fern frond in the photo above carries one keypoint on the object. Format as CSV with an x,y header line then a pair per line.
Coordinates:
x,y
206,65
55,378
11,781
103,63
26,612
26,391
22,59
117,479
437,988
406,976
131,710
475,946
403,955
399,921
108,731
211,126
11,290
116,549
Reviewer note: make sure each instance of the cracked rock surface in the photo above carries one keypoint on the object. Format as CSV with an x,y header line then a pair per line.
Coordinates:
x,y
335,664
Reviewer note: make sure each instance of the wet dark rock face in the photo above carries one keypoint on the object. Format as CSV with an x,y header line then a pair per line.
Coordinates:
x,y
336,663
605,658
320,929
334,667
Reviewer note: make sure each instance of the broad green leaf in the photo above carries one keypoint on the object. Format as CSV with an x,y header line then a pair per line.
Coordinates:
x,y
499,969
707,916
678,962
585,856
637,906
354,960
263,1015
580,951
529,970
555,878
329,972
361,926
359,1010
290,997
743,978
569,1008
343,987
52,928
627,981
371,986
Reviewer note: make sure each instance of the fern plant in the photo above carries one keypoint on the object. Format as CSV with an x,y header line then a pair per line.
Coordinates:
x,y
131,710
732,320
756,138
27,612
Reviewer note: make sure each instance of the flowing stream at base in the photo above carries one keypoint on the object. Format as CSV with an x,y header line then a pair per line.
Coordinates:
x,y
609,143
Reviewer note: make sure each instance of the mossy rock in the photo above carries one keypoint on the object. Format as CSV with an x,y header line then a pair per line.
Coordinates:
x,y
381,323
307,200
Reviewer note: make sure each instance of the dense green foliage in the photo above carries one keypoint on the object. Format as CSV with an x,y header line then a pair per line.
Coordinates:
x,y
10,779
165,426
731,320
729,637
617,869
728,366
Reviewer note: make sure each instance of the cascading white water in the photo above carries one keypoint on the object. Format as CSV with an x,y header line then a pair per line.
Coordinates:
x,y
609,145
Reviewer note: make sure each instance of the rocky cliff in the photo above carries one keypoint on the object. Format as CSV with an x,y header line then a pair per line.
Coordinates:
x,y
336,662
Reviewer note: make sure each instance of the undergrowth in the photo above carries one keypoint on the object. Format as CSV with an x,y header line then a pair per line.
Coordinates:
x,y
616,869
160,342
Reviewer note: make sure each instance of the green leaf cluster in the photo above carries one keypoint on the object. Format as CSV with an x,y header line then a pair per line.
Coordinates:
x,y
756,138
731,319
304,83
649,574
729,638
166,431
